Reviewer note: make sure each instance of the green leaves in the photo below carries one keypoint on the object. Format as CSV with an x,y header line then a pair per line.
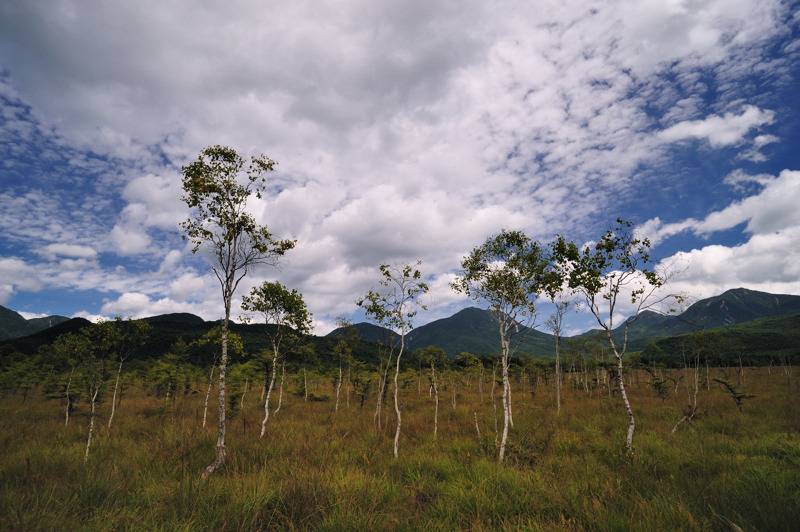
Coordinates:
x,y
279,306
217,188
397,303
508,272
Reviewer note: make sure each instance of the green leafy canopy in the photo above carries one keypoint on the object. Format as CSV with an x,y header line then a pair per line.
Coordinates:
x,y
217,187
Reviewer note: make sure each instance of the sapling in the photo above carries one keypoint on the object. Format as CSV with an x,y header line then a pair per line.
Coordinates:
x,y
394,307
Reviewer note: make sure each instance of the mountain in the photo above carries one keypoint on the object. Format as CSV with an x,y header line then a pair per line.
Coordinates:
x,y
472,330
738,305
29,344
13,325
762,338
735,306
179,317
476,331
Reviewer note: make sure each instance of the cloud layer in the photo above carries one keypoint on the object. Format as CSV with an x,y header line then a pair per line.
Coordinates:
x,y
403,131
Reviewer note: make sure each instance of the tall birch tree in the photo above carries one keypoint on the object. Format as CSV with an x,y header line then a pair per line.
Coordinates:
x,y
614,271
216,188
283,310
394,306
507,273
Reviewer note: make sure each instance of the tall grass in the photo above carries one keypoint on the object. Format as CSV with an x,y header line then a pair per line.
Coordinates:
x,y
316,469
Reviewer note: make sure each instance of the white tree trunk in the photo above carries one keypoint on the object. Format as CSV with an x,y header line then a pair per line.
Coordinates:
x,y
69,401
91,425
347,389
244,392
558,375
480,382
494,401
506,405
507,386
396,397
223,363
208,392
338,388
280,392
436,403
114,398
269,392
628,409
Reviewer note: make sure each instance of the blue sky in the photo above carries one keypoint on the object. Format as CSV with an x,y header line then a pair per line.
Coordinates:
x,y
404,131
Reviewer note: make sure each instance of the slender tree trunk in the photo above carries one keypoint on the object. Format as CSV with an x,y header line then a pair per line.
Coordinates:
x,y
69,400
269,391
480,381
494,402
305,385
280,392
626,402
347,388
91,425
338,387
558,374
381,390
436,403
508,397
506,403
244,392
208,392
396,396
223,363
114,397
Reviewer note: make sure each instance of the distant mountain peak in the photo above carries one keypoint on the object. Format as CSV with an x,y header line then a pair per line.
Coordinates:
x,y
13,325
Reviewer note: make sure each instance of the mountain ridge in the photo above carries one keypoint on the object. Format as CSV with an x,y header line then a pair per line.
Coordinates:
x,y
474,330
13,325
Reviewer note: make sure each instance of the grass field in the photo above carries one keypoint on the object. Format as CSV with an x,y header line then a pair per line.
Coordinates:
x,y
316,469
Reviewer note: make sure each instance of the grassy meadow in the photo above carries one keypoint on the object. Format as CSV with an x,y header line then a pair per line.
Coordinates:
x,y
319,470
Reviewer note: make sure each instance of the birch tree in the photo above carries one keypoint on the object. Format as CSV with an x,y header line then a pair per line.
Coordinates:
x,y
346,341
507,273
556,323
211,341
217,187
93,369
123,338
432,355
283,310
394,306
67,351
617,269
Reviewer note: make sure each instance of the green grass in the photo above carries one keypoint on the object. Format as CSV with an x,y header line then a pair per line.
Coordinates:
x,y
320,470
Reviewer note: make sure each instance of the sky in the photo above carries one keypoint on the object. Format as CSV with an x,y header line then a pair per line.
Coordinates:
x,y
403,131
